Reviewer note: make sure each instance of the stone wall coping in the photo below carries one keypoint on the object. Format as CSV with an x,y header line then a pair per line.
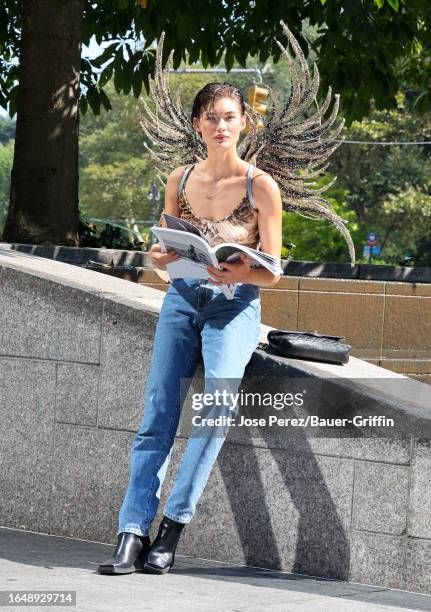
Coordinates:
x,y
91,281
313,269
373,380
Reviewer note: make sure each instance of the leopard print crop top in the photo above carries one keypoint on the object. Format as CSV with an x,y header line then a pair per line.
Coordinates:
x,y
240,226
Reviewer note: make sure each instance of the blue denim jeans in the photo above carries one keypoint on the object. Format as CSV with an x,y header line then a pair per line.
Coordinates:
x,y
196,323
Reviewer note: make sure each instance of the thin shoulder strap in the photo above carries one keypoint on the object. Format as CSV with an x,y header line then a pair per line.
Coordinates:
x,y
184,178
249,189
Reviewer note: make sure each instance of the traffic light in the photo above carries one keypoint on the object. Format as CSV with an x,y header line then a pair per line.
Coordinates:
x,y
257,97
142,3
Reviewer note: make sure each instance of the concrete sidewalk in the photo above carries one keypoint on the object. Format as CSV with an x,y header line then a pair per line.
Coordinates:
x,y
32,561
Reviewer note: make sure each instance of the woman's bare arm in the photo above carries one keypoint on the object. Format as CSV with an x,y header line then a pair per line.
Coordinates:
x,y
158,258
267,197
171,198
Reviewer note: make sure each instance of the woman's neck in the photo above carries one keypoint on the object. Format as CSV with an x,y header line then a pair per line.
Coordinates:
x,y
220,165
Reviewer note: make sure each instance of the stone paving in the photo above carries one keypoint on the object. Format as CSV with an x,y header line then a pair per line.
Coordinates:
x,y
33,561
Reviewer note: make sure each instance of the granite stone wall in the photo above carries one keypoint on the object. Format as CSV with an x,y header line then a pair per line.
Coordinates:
x,y
382,310
387,323
75,348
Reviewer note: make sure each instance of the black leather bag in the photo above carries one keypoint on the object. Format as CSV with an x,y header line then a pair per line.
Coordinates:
x,y
309,345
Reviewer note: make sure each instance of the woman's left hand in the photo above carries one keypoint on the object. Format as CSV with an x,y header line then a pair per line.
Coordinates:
x,y
232,272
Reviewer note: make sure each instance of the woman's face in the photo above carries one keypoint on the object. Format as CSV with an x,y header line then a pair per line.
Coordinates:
x,y
221,124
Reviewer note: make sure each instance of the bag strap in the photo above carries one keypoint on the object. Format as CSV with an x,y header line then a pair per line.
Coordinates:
x,y
281,332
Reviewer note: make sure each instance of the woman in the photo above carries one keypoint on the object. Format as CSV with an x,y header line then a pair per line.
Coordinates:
x,y
197,320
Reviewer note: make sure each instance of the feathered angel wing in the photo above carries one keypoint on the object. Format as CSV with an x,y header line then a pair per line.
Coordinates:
x,y
293,147
173,140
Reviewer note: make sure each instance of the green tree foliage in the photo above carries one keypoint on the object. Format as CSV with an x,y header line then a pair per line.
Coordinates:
x,y
7,132
382,189
389,187
6,157
318,240
361,45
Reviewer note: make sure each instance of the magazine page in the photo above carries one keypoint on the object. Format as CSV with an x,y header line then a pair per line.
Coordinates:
x,y
176,223
195,255
191,248
230,252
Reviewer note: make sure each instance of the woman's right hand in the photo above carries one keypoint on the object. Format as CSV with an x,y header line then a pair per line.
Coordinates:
x,y
160,259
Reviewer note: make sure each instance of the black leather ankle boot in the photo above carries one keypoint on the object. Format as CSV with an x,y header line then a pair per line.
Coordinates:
x,y
161,554
128,556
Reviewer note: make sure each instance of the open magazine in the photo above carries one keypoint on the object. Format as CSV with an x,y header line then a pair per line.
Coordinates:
x,y
196,253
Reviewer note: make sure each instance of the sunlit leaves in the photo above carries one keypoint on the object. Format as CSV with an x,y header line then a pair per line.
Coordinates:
x,y
394,4
361,46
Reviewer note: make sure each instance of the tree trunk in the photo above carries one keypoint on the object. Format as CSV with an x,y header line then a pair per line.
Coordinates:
x,y
44,181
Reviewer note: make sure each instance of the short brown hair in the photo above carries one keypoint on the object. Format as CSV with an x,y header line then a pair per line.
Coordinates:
x,y
214,91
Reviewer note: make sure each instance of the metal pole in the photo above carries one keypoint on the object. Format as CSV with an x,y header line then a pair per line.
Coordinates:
x,y
223,70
